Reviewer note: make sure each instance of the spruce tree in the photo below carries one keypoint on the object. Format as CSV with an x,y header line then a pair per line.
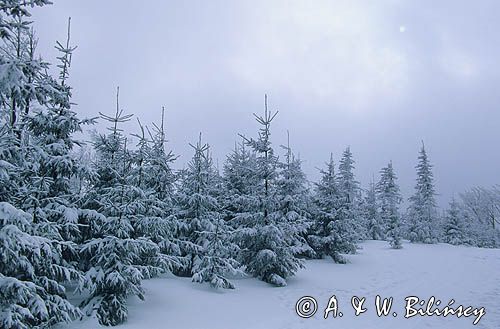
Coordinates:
x,y
37,214
390,198
350,201
197,204
152,179
332,233
453,225
293,202
348,185
266,251
422,212
239,182
118,258
161,176
51,129
204,235
375,227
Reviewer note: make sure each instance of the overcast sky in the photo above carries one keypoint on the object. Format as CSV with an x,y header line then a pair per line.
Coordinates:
x,y
378,76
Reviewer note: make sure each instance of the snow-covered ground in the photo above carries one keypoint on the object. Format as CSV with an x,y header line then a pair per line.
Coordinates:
x,y
470,276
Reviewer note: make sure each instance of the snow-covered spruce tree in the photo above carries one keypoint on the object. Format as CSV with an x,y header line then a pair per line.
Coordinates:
x,y
331,234
163,178
196,204
239,182
36,208
238,200
204,234
118,259
152,179
390,198
375,227
266,251
422,212
453,230
51,129
350,201
293,203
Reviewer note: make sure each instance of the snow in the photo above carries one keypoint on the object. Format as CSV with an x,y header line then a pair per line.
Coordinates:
x,y
470,276
10,214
